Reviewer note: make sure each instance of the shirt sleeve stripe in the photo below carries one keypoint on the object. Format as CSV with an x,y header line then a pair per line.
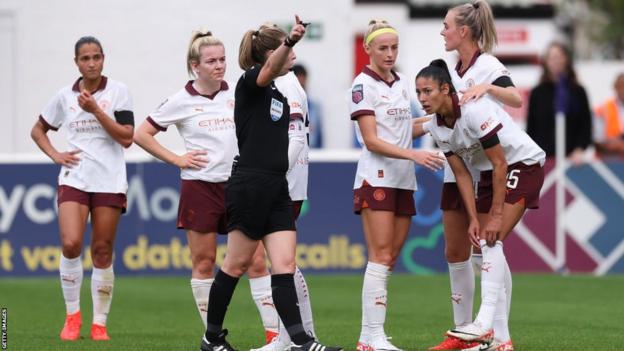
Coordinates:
x,y
155,125
503,82
294,116
124,117
46,124
491,133
357,114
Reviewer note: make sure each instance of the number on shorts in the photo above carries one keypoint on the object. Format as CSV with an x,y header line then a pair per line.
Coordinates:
x,y
512,178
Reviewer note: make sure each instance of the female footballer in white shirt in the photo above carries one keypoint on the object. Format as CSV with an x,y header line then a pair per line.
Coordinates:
x,y
482,135
469,29
203,113
385,179
97,114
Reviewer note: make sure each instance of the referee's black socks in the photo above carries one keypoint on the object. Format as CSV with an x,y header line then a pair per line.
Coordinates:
x,y
287,306
218,301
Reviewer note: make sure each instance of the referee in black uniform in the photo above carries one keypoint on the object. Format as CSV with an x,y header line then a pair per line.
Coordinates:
x,y
257,199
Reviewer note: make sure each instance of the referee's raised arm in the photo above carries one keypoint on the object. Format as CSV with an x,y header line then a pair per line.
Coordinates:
x,y
277,58
259,207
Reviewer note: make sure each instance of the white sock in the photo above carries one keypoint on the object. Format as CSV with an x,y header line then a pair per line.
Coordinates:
x,y
501,328
283,337
102,283
508,287
71,273
305,307
492,282
501,317
374,301
462,291
201,291
261,293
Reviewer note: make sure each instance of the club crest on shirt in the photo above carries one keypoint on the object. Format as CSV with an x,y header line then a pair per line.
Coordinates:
x,y
277,108
470,83
357,94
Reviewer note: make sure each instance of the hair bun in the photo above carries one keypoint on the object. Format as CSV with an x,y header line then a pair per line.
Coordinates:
x,y
377,21
200,33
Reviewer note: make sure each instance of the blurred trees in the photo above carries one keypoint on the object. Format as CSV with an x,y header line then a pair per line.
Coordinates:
x,y
608,28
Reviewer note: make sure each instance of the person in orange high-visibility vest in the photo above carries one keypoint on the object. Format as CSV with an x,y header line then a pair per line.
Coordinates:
x,y
610,116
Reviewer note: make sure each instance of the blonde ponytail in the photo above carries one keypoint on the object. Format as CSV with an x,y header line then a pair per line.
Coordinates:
x,y
477,15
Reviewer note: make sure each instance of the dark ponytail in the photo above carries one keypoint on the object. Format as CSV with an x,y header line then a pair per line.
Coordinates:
x,y
438,71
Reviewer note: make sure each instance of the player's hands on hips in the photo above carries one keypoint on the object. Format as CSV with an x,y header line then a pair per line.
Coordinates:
x,y
193,159
491,231
298,30
87,102
473,93
68,158
430,159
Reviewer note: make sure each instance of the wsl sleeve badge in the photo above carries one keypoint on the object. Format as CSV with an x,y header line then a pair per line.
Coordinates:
x,y
277,109
357,93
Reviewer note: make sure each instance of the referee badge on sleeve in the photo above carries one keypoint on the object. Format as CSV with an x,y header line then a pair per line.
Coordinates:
x,y
277,109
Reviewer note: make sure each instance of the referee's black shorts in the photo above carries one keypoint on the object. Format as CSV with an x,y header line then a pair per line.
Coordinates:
x,y
258,203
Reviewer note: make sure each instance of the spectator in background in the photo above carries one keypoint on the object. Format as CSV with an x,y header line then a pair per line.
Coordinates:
x,y
315,115
610,122
559,81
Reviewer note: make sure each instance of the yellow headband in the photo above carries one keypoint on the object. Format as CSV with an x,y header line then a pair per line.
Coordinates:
x,y
379,32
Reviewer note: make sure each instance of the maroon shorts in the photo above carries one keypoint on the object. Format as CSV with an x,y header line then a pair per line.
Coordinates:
x,y
451,198
523,184
202,207
91,200
296,206
399,201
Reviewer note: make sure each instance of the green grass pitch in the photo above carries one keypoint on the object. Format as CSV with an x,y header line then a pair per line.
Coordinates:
x,y
549,312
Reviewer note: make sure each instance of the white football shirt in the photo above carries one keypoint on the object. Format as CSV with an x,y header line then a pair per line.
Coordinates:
x,y
101,167
478,121
205,122
298,101
483,68
390,104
